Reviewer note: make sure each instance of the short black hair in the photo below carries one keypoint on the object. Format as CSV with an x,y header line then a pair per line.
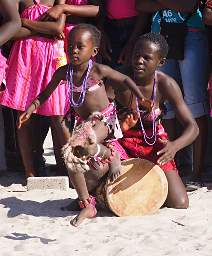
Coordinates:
x,y
156,39
95,33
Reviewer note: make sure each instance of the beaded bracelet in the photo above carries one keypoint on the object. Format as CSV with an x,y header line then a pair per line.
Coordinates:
x,y
98,151
35,104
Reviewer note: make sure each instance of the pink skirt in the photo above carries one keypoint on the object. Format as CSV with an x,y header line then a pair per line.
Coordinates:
x,y
31,65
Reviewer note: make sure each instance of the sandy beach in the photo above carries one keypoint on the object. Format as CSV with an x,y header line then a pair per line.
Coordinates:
x,y
32,223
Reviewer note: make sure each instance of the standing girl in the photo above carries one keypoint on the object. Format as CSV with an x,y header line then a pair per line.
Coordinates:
x,y
35,55
10,24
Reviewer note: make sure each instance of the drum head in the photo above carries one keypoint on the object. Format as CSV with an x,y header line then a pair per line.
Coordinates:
x,y
141,189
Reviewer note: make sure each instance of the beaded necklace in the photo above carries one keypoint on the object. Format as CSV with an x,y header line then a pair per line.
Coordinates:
x,y
69,78
147,138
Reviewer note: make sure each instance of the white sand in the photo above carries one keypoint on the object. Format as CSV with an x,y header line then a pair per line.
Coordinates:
x,y
33,224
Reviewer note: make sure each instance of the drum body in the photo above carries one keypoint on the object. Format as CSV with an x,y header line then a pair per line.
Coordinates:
x,y
141,189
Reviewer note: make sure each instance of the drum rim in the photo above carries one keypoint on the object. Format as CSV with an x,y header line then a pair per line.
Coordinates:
x,y
143,160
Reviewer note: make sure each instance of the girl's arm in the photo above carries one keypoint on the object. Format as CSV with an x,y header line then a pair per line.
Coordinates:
x,y
75,10
123,82
155,5
12,20
43,96
171,92
23,33
54,28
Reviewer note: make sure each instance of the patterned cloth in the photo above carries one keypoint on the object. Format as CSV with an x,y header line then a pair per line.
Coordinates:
x,y
110,119
135,146
31,65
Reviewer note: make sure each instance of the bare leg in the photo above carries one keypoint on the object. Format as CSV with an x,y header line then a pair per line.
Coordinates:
x,y
78,180
25,144
177,196
199,148
2,143
93,180
60,136
40,132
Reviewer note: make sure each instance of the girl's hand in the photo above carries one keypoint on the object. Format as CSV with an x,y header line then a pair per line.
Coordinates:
x,y
167,153
23,118
24,22
128,121
27,114
147,104
60,36
53,13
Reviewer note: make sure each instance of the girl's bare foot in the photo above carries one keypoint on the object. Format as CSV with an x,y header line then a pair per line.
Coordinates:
x,y
30,174
129,122
86,213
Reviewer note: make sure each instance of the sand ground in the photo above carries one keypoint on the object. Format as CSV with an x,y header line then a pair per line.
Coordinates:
x,y
33,224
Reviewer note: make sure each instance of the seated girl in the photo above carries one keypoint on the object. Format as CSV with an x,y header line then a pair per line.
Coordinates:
x,y
143,132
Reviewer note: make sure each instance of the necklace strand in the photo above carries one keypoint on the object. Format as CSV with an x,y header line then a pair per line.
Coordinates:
x,y
147,138
69,76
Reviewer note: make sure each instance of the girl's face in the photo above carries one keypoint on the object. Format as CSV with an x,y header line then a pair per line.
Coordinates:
x,y
146,59
81,47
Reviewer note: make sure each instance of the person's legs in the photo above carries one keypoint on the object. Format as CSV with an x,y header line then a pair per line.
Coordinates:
x,y
40,132
199,148
194,73
89,210
75,169
169,121
25,144
60,136
2,143
84,184
177,196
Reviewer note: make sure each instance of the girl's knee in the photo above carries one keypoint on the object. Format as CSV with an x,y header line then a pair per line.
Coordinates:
x,y
179,203
182,203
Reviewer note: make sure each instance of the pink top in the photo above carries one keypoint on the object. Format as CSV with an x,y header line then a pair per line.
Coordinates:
x,y
120,9
91,85
76,2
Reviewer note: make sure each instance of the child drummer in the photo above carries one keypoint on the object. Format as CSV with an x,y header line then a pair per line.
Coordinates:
x,y
143,133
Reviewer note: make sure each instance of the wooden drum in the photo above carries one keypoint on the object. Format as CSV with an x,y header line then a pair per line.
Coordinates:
x,y
141,189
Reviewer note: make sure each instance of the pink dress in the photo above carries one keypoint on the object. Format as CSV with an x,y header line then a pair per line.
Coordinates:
x,y
69,26
3,66
31,64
